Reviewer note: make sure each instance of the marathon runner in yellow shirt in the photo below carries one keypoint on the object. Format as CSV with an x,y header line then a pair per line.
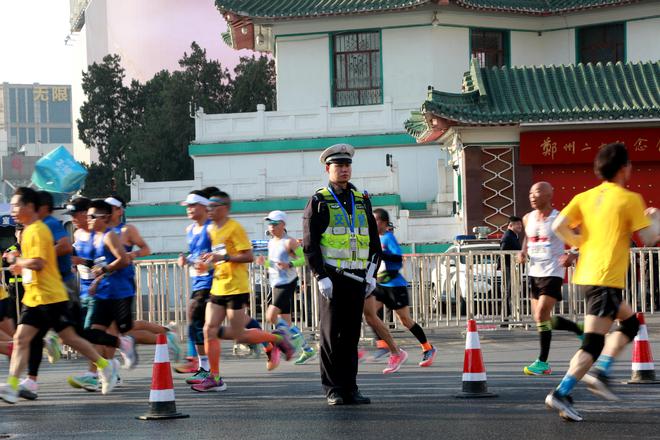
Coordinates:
x,y
606,216
45,300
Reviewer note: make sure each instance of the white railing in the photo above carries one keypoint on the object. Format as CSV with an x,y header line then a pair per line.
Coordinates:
x,y
445,290
323,121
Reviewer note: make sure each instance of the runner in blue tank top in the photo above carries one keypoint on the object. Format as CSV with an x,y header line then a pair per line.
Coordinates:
x,y
199,243
144,332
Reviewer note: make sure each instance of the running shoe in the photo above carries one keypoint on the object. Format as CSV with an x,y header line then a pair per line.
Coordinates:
x,y
53,347
108,377
599,384
8,394
563,404
198,377
537,368
285,345
210,384
128,351
191,365
87,382
273,359
28,389
298,340
255,350
428,357
395,362
173,347
305,356
378,355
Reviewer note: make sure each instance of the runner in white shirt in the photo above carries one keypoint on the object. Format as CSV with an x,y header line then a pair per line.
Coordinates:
x,y
545,251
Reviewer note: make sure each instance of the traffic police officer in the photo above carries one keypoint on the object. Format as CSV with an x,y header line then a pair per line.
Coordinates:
x,y
341,246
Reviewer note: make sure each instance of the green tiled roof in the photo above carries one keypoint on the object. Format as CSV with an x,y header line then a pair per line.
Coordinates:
x,y
311,8
583,92
315,8
542,7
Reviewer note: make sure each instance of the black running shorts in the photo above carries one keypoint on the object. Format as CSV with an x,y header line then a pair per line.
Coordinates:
x,y
47,316
233,302
603,301
283,296
550,286
394,298
107,311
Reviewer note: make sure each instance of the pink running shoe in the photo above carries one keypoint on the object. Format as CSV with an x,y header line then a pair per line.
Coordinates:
x,y
395,362
210,384
273,358
285,345
429,357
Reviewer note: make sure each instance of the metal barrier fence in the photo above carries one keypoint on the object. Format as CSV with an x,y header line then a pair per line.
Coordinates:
x,y
444,289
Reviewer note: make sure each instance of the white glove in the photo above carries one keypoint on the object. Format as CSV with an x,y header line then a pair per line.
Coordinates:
x,y
325,287
370,287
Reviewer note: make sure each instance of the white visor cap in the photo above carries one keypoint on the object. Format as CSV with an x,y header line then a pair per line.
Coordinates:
x,y
195,199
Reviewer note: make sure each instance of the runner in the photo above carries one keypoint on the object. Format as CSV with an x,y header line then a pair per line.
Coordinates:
x,y
45,300
143,332
392,289
231,253
546,272
199,243
284,255
607,216
98,248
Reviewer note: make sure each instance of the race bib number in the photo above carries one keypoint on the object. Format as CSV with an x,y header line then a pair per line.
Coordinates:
x,y
26,274
85,272
539,251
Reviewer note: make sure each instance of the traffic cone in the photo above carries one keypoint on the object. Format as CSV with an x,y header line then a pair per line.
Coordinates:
x,y
643,370
474,372
161,397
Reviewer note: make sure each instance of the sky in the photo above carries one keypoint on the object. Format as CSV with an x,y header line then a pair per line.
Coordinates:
x,y
33,33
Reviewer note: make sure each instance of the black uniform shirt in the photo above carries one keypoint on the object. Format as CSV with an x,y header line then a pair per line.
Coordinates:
x,y
316,219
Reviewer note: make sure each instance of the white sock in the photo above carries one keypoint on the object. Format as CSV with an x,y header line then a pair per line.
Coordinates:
x,y
204,362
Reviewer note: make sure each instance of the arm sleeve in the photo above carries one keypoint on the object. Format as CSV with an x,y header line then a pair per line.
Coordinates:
x,y
315,220
636,207
392,252
300,258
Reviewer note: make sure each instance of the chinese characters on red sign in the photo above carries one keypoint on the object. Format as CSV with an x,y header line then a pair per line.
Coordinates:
x,y
568,147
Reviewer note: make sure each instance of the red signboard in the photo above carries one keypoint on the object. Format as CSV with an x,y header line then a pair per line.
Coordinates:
x,y
581,146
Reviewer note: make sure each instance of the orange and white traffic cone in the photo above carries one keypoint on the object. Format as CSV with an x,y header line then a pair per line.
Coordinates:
x,y
643,370
161,398
474,371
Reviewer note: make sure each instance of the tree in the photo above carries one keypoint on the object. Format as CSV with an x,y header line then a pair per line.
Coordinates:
x,y
106,118
253,83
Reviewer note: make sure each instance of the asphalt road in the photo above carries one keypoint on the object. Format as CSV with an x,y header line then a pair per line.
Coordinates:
x,y
288,403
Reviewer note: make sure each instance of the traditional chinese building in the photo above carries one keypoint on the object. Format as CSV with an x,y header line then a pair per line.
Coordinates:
x,y
354,70
511,127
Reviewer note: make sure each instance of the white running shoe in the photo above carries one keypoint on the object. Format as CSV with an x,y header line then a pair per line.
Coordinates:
x,y
108,376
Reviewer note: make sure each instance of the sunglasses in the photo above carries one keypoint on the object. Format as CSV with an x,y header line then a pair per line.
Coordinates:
x,y
273,222
212,206
96,216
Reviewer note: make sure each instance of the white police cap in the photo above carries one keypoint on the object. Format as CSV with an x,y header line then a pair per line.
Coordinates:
x,y
338,153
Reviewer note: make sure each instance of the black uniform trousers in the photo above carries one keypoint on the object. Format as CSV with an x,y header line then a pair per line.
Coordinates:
x,y
340,325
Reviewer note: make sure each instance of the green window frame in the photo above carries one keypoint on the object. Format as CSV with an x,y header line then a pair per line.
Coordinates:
x,y
491,47
601,43
356,68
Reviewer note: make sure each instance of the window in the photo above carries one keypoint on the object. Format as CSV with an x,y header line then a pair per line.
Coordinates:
x,y
60,136
357,70
601,43
490,47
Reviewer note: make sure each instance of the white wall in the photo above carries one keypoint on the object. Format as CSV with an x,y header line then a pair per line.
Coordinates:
x,y
643,40
556,47
303,72
414,58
